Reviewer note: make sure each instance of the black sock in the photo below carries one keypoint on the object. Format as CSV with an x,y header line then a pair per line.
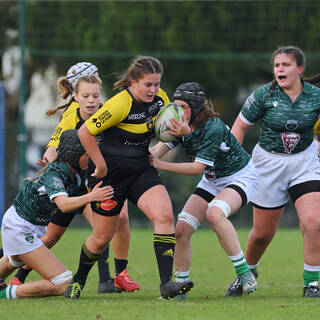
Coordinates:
x,y
22,273
120,265
164,249
1,253
103,266
86,262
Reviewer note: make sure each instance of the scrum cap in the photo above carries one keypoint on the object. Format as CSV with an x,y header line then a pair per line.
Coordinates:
x,y
70,148
79,70
192,93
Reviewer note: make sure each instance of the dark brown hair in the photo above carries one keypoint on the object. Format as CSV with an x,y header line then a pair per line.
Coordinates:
x,y
298,55
205,114
139,66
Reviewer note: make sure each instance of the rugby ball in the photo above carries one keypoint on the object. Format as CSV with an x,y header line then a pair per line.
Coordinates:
x,y
169,111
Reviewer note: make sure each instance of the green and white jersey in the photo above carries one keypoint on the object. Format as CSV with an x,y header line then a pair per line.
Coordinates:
x,y
286,126
214,145
34,201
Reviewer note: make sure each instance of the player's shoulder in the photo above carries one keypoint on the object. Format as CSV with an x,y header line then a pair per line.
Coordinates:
x,y
163,95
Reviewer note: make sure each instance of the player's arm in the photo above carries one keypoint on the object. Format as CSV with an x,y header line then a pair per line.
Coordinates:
x,y
186,168
90,144
239,129
159,149
66,204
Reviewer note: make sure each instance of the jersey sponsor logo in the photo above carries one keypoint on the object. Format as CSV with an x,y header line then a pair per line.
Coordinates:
x,y
57,131
149,123
290,140
155,106
102,118
136,116
29,237
108,205
292,125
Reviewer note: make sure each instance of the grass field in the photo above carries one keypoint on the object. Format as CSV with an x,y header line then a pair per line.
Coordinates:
x,y
279,295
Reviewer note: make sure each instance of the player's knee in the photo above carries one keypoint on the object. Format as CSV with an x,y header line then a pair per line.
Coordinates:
x,y
189,221
222,205
163,218
61,282
262,236
100,241
311,225
123,220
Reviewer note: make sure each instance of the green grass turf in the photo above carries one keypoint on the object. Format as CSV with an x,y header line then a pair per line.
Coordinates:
x,y
279,295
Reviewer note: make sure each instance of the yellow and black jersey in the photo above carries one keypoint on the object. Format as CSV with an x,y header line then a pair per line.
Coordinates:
x,y
73,106
125,125
72,120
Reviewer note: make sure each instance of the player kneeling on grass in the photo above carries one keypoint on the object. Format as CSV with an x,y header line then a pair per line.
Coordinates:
x,y
228,182
24,223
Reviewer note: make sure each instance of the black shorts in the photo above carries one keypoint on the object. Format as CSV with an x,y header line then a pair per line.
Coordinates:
x,y
63,219
130,178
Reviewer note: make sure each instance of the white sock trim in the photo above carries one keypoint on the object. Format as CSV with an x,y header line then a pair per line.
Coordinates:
x,y
11,292
307,267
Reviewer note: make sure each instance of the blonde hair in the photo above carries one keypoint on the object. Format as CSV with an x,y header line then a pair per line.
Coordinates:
x,y
66,90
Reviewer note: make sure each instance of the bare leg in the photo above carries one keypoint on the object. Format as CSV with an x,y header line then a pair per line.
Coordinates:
x,y
265,224
121,238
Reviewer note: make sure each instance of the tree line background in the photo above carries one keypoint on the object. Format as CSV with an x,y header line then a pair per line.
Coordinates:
x,y
224,45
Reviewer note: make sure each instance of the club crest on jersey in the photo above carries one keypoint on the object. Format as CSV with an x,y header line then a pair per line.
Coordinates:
x,y
290,140
291,125
275,103
108,205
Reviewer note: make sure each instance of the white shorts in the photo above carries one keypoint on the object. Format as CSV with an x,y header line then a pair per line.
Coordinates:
x,y
279,172
18,235
246,179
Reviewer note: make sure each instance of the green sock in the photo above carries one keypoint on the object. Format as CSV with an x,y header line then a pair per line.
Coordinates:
x,y
8,292
310,276
240,264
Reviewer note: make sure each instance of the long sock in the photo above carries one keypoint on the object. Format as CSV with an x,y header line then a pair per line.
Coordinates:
x,y
86,262
22,274
254,267
103,266
164,245
9,292
240,264
120,265
181,276
311,275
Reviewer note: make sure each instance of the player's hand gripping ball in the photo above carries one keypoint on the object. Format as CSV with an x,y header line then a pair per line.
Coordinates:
x,y
169,111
